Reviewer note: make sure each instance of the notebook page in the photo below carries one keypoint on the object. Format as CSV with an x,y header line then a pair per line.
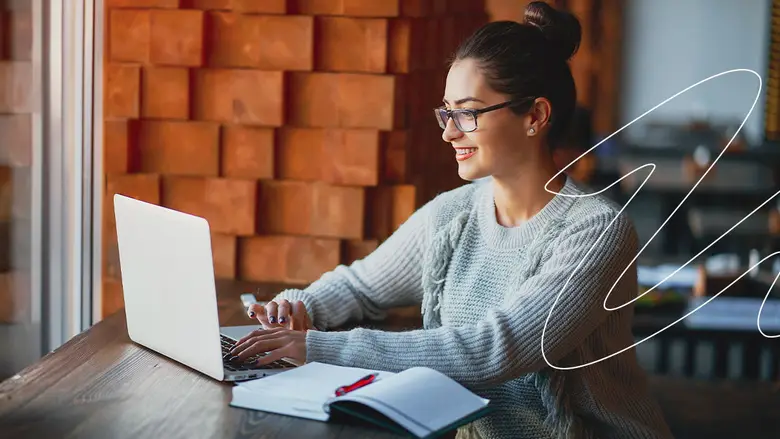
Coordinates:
x,y
282,405
419,397
310,385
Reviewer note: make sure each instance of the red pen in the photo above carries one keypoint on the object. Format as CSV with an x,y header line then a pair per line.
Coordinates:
x,y
366,380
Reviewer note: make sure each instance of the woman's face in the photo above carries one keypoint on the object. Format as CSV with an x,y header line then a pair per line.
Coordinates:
x,y
501,141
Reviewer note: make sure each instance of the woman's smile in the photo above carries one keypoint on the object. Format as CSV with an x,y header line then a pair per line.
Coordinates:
x,y
464,153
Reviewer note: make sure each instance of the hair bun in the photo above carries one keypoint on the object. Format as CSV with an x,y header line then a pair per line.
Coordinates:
x,y
559,27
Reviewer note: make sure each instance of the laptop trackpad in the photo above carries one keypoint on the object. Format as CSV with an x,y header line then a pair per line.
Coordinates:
x,y
237,332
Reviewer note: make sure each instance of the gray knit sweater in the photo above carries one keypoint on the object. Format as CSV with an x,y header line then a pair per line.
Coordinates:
x,y
485,292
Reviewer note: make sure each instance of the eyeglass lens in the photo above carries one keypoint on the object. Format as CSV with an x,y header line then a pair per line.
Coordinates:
x,y
464,121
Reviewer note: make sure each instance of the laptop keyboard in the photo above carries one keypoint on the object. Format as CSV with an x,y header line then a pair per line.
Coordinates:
x,y
227,345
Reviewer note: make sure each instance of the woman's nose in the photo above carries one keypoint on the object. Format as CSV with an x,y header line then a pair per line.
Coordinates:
x,y
451,132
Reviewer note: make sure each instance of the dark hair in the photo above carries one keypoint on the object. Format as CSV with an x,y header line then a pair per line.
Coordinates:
x,y
530,60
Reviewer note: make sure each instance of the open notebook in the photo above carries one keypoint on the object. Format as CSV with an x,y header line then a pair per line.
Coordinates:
x,y
418,401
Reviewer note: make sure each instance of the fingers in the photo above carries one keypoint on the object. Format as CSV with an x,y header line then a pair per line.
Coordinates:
x,y
255,333
284,312
257,311
259,345
299,316
274,355
272,309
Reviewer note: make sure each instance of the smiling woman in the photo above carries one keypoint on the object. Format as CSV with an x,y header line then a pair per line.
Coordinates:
x,y
513,273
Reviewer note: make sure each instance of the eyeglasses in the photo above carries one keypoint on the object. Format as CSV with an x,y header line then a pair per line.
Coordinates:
x,y
466,118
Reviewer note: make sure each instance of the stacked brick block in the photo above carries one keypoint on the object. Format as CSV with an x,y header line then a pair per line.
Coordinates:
x,y
16,107
301,129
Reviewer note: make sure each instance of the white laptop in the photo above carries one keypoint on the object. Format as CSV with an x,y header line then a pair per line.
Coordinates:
x,y
170,293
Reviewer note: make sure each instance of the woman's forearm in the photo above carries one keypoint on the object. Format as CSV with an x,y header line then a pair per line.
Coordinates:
x,y
507,342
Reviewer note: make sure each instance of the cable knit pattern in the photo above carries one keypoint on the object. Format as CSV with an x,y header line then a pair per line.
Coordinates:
x,y
485,292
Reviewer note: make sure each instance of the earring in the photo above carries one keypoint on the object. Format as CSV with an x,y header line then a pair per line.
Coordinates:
x,y
531,131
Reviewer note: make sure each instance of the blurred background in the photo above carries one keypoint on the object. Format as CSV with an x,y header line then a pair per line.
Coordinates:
x,y
303,131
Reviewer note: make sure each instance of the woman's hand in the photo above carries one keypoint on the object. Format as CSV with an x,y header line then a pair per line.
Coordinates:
x,y
282,315
278,342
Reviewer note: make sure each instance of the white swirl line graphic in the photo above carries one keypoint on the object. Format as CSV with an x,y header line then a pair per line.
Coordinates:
x,y
652,169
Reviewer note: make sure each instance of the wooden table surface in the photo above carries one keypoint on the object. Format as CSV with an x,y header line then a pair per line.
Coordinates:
x,y
101,385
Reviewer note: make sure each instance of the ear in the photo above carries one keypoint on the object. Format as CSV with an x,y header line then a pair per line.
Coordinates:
x,y
538,116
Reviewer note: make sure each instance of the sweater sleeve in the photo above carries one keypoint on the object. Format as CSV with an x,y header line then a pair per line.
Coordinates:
x,y
506,343
391,276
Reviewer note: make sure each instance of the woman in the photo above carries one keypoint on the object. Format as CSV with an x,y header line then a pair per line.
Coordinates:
x,y
487,262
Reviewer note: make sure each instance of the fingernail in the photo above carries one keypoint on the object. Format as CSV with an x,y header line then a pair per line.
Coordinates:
x,y
272,319
281,319
234,358
251,314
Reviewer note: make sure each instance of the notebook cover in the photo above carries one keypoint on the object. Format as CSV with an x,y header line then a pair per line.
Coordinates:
x,y
372,416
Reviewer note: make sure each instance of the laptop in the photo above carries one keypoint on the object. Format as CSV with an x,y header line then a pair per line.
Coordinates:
x,y
170,293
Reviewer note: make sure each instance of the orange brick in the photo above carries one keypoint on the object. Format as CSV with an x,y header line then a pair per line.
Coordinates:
x,y
390,207
286,259
223,247
250,97
353,250
394,156
346,44
353,8
270,42
246,6
338,211
112,298
405,43
247,152
16,87
299,154
351,157
15,293
116,147
314,100
337,156
122,91
285,207
129,35
316,209
16,33
370,101
228,205
176,37
417,8
16,139
179,148
142,3
165,93
346,100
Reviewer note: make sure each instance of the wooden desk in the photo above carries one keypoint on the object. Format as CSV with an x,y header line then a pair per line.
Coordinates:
x,y
101,385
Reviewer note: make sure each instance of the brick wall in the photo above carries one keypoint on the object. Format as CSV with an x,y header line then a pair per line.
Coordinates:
x,y
301,129
16,107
